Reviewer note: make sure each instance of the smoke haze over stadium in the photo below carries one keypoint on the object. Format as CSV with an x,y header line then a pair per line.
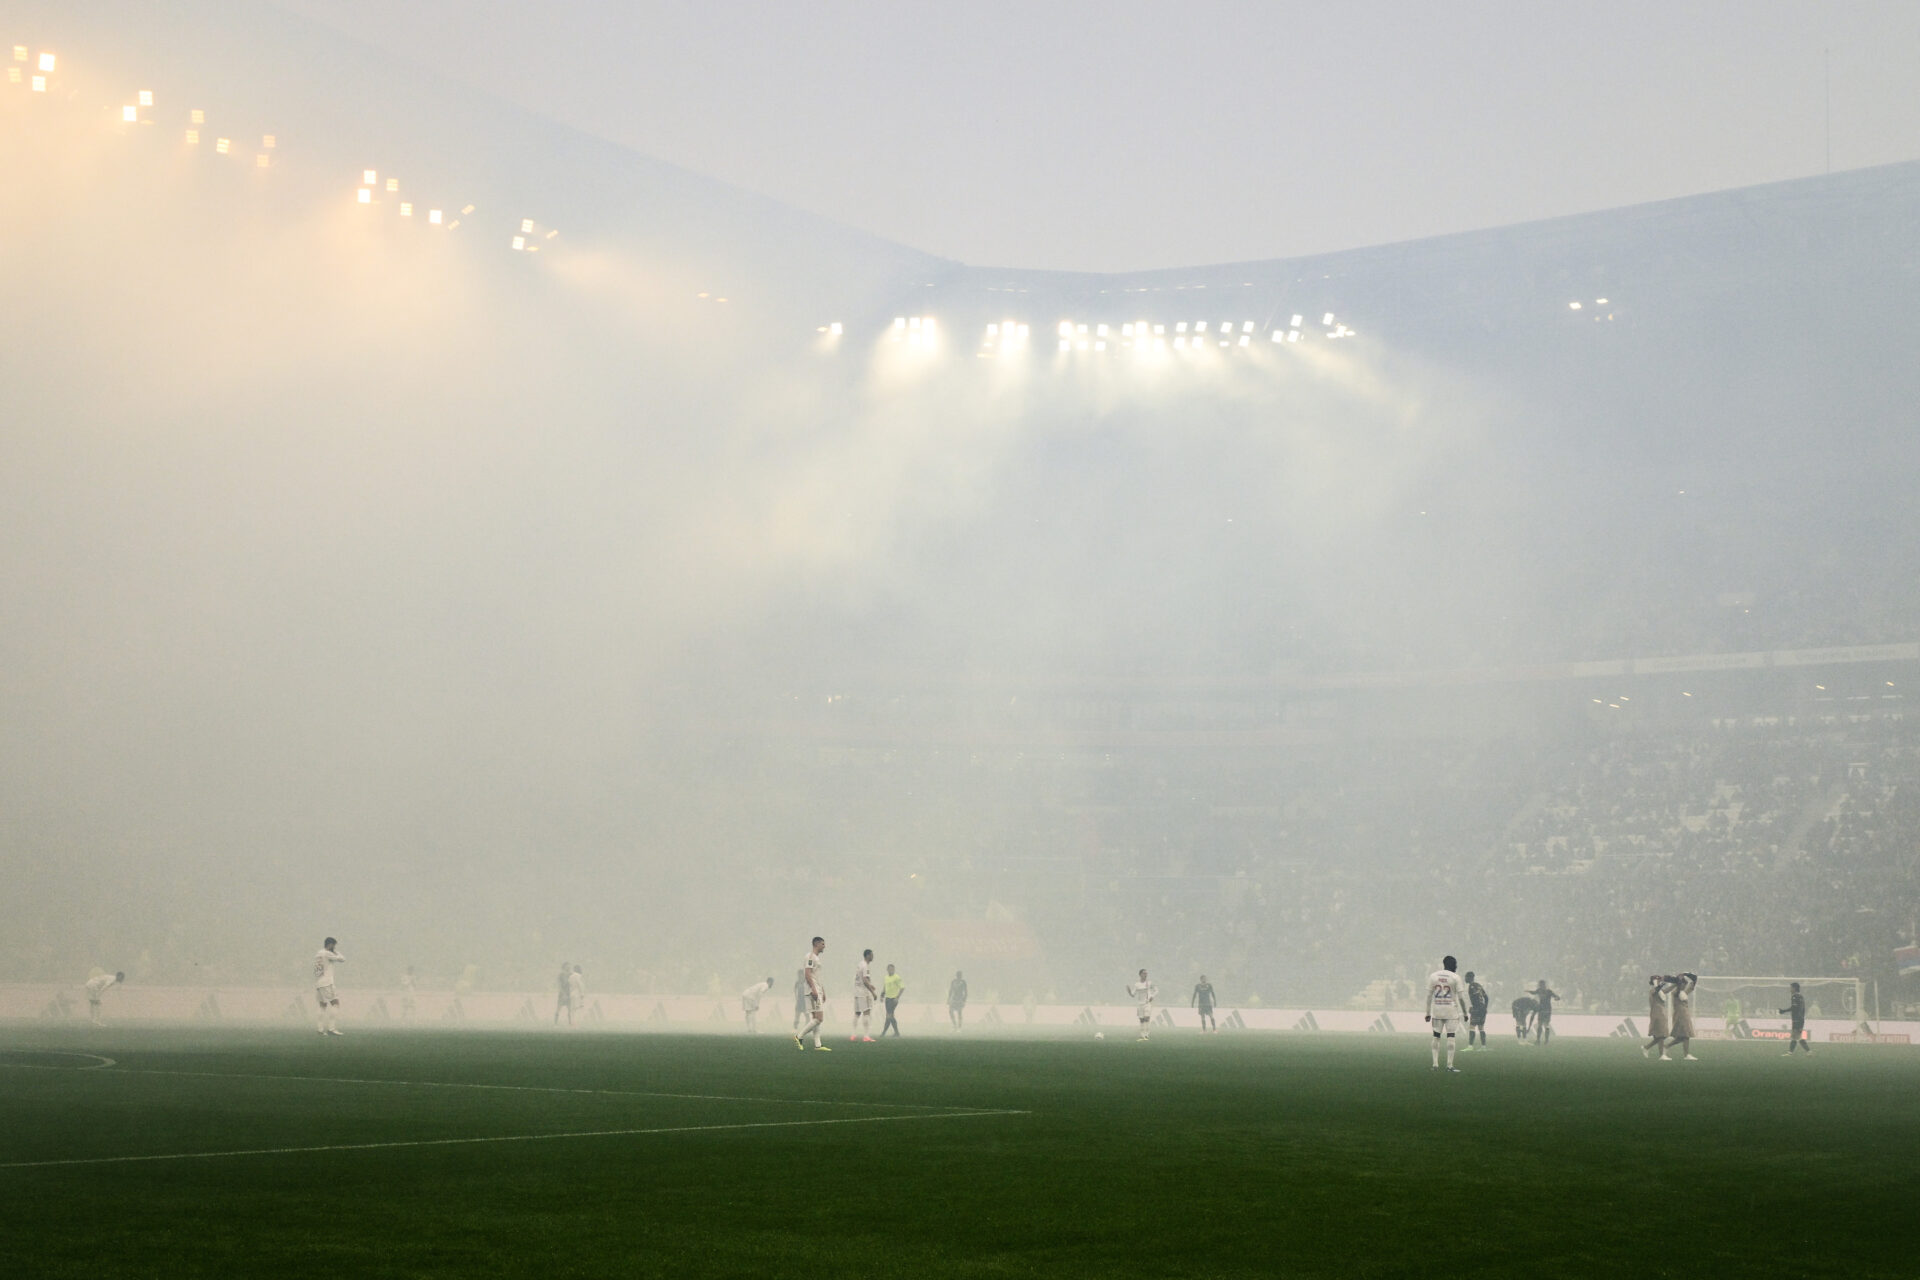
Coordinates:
x,y
680,556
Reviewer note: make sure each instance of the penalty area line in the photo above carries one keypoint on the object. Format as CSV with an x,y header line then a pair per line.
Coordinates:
x,y
545,1088
513,1137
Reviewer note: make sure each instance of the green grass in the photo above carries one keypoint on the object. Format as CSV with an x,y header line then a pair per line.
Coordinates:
x,y
1231,1156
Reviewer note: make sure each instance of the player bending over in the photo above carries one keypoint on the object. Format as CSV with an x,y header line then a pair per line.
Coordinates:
x,y
864,994
1446,1001
323,962
750,1003
1476,1012
810,973
1522,1015
1659,1016
1203,1001
1796,1008
97,986
1143,991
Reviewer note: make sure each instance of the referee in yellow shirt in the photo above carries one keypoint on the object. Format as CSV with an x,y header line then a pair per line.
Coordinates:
x,y
890,991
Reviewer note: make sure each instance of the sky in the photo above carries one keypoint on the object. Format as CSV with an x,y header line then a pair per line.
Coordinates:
x,y
1112,137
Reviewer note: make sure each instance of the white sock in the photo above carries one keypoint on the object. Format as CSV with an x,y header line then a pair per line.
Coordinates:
x,y
1449,1051
1436,1051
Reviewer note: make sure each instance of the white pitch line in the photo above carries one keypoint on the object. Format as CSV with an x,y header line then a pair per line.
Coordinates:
x,y
540,1088
516,1137
100,1060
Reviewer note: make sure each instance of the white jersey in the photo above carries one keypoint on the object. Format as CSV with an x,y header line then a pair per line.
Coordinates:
x,y
1144,993
1446,996
863,979
96,985
811,969
323,962
750,998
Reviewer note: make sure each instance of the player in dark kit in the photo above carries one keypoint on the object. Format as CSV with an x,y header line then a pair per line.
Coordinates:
x,y
1476,1012
1797,1009
1203,1001
1543,998
1523,1010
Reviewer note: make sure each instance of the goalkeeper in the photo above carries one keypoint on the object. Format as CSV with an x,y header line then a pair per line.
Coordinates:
x,y
1797,1010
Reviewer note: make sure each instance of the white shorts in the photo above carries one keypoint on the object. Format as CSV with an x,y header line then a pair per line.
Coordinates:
x,y
1146,1015
1445,1026
325,995
862,1002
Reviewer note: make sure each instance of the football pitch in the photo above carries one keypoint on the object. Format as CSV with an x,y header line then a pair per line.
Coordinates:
x,y
553,1154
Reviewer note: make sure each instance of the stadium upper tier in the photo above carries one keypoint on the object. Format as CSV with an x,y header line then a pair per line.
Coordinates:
x,y
1679,428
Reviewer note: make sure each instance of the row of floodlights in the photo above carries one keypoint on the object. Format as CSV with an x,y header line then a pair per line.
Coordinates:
x,y
31,69
371,183
1578,305
915,331
1143,335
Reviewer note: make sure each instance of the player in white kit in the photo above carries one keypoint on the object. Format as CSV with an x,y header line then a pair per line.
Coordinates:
x,y
323,961
1143,993
812,970
1446,1007
864,994
750,1003
96,987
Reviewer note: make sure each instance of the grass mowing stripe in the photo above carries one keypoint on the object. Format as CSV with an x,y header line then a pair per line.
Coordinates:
x,y
541,1088
512,1137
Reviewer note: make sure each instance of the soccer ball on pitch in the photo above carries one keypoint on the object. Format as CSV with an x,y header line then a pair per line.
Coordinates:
x,y
1099,1035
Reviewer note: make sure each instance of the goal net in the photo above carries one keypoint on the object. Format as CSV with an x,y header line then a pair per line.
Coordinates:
x,y
1734,999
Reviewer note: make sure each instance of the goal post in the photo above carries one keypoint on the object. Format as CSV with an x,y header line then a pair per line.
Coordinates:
x,y
1734,998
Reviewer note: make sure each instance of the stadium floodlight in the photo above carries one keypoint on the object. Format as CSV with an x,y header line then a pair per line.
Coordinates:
x,y
465,210
1327,318
406,209
366,195
526,226
1293,335
836,328
1066,328
1244,339
1066,344
1247,327
1201,327
269,141
552,232
1126,331
223,145
130,114
1023,332
519,242
146,97
1297,322
393,184
368,177
197,116
39,84
453,224
1573,306
1100,331
1080,328
13,75
262,160
193,137
913,322
1178,328
433,216
1159,329
1180,342
1279,335
19,53
46,62
993,330
1599,302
